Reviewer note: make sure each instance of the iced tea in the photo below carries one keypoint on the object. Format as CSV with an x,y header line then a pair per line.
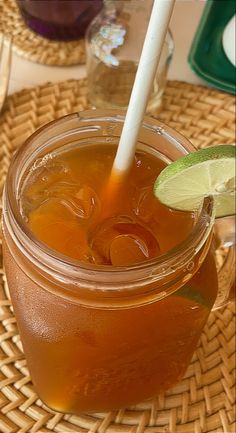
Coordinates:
x,y
104,358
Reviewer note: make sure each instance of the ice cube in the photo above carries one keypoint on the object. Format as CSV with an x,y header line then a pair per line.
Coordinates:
x,y
55,225
143,202
87,202
127,250
122,241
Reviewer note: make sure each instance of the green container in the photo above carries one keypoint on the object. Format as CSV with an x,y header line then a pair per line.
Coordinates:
x,y
207,57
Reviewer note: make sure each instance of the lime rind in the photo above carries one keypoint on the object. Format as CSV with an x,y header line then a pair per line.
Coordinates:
x,y
183,184
202,155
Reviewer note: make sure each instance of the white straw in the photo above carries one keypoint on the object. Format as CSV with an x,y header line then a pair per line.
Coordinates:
x,y
151,52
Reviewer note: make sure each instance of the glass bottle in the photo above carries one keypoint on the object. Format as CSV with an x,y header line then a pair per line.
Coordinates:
x,y
114,41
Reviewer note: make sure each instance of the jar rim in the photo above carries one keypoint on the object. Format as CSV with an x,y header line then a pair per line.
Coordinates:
x,y
55,260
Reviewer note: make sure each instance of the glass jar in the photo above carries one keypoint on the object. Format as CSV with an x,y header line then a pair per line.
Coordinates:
x,y
60,20
114,43
98,338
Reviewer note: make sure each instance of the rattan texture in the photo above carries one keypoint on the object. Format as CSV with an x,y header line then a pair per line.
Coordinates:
x,y
33,47
203,402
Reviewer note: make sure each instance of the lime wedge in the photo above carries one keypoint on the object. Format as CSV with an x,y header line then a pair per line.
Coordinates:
x,y
184,183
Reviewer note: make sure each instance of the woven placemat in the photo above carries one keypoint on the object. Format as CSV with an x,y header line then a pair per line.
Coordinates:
x,y
203,402
33,47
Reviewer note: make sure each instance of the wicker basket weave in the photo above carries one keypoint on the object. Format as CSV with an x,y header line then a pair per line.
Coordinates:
x,y
203,402
32,46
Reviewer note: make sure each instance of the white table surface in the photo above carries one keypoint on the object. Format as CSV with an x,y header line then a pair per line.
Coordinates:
x,y
184,21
